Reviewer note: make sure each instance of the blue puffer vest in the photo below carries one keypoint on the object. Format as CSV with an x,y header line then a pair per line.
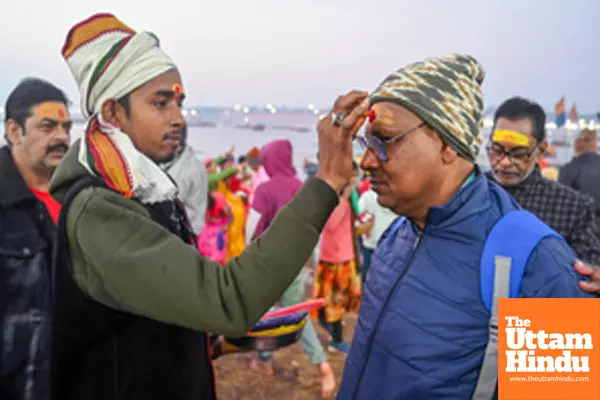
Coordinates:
x,y
423,327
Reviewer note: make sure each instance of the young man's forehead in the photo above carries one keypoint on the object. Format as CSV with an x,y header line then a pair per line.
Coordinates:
x,y
169,81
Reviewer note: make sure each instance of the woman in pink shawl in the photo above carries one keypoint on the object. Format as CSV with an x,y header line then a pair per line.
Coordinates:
x,y
212,241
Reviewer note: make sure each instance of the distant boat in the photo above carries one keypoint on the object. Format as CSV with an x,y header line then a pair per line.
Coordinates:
x,y
254,127
201,124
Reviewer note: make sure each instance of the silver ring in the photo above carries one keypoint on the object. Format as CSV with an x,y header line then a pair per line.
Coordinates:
x,y
337,119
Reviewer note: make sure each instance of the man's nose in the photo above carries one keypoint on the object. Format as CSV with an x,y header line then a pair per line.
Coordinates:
x,y
504,162
369,161
63,133
177,119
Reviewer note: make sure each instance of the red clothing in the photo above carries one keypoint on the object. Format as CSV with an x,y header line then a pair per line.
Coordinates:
x,y
52,205
363,186
337,241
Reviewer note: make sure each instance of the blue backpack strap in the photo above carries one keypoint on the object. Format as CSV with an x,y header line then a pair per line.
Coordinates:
x,y
505,255
395,225
514,237
391,229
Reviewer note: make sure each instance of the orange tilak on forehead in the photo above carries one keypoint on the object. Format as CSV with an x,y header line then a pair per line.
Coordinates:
x,y
384,116
54,110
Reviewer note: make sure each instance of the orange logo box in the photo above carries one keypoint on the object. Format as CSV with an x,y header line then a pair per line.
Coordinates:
x,y
549,349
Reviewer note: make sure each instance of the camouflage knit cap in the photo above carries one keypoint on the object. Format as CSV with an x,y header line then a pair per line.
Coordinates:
x,y
446,94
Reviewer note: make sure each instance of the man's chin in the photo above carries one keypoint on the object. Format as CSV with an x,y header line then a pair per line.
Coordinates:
x,y
507,180
384,199
164,159
52,164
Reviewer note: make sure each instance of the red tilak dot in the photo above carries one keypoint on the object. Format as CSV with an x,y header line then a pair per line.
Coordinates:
x,y
372,116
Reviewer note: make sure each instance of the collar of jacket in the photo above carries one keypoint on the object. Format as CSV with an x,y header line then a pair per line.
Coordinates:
x,y
469,200
15,189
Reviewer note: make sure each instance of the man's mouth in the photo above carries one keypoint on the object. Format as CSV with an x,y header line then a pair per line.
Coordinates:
x,y
173,138
506,173
376,183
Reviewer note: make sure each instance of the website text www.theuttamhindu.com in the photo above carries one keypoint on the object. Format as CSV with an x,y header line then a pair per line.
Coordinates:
x,y
549,378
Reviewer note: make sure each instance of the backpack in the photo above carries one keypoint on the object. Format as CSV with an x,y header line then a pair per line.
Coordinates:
x,y
505,256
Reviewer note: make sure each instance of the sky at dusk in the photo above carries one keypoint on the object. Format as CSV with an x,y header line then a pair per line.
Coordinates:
x,y
295,53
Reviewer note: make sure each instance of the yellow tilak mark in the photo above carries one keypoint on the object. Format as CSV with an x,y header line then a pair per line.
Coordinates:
x,y
513,137
385,117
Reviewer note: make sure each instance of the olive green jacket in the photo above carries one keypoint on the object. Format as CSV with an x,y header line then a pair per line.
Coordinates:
x,y
124,260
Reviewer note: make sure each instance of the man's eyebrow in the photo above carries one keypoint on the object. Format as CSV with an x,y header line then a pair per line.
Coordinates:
x,y
50,120
512,148
169,94
165,93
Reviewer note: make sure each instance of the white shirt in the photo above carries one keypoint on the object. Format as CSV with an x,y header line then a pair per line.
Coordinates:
x,y
383,217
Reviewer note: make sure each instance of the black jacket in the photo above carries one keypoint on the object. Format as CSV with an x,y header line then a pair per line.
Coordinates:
x,y
567,211
583,174
100,353
26,232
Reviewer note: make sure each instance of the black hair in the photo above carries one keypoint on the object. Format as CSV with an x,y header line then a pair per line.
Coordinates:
x,y
29,93
124,102
211,201
519,108
241,159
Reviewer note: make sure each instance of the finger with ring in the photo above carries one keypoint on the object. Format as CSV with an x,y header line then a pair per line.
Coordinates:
x,y
337,119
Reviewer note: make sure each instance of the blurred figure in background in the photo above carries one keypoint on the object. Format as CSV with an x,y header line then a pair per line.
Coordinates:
x,y
583,172
212,241
336,278
381,218
192,182
270,197
229,187
258,173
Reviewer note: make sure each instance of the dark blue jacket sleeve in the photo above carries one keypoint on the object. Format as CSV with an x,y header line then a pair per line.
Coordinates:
x,y
550,272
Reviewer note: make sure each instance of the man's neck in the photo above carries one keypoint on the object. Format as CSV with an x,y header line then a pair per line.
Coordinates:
x,y
447,189
32,177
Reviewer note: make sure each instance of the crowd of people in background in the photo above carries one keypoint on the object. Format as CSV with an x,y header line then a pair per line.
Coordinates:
x,y
124,257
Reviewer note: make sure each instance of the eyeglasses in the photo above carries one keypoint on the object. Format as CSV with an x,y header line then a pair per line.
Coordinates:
x,y
378,146
516,156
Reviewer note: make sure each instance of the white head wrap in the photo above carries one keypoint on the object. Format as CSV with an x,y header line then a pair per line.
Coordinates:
x,y
108,61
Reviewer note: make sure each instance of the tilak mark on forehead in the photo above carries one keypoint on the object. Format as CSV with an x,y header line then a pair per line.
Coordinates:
x,y
178,89
516,138
54,110
384,117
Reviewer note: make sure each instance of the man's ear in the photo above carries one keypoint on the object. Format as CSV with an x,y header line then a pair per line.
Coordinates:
x,y
448,154
110,113
14,132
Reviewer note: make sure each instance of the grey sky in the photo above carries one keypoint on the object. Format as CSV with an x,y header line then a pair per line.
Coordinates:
x,y
301,52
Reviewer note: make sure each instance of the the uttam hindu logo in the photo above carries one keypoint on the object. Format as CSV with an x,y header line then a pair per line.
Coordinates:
x,y
524,342
548,349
